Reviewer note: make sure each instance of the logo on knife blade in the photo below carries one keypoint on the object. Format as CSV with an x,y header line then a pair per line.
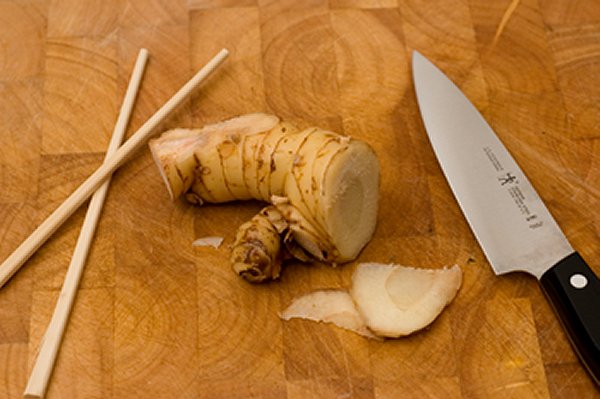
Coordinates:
x,y
512,185
508,178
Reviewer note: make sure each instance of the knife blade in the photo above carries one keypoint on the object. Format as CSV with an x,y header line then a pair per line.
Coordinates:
x,y
508,218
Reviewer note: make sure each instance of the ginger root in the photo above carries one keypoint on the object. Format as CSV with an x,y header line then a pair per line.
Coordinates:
x,y
323,187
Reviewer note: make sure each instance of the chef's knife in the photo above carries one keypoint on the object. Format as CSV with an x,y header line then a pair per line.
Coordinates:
x,y
512,225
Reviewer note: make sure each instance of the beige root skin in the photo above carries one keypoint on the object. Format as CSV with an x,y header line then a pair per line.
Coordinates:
x,y
324,186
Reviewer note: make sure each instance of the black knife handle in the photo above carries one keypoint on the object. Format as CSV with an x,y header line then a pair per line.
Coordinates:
x,y
574,291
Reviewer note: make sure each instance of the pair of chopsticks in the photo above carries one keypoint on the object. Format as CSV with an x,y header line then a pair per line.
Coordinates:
x,y
97,184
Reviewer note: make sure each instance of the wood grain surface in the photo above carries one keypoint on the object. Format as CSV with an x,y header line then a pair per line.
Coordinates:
x,y
157,317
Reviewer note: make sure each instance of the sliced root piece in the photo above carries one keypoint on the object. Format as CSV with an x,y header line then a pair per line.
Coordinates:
x,y
328,306
397,300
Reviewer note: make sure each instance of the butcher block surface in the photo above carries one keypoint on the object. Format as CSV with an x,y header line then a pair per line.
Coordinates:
x,y
158,317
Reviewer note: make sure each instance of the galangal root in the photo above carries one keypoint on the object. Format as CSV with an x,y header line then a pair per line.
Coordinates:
x,y
323,188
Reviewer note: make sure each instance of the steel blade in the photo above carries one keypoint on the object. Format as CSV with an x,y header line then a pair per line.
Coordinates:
x,y
511,223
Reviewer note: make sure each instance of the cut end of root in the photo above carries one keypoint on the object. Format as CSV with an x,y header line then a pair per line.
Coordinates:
x,y
351,199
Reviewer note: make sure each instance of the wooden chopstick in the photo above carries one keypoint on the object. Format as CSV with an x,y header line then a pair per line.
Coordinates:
x,y
44,364
83,192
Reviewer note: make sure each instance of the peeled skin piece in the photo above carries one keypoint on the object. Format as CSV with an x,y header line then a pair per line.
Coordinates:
x,y
323,184
211,241
397,300
328,306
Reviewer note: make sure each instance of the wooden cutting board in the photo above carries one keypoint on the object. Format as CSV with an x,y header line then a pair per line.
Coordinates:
x,y
157,317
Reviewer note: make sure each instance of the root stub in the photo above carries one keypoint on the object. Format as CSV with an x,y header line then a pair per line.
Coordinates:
x,y
256,254
324,187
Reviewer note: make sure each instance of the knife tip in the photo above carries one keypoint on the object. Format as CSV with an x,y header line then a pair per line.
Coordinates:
x,y
417,57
